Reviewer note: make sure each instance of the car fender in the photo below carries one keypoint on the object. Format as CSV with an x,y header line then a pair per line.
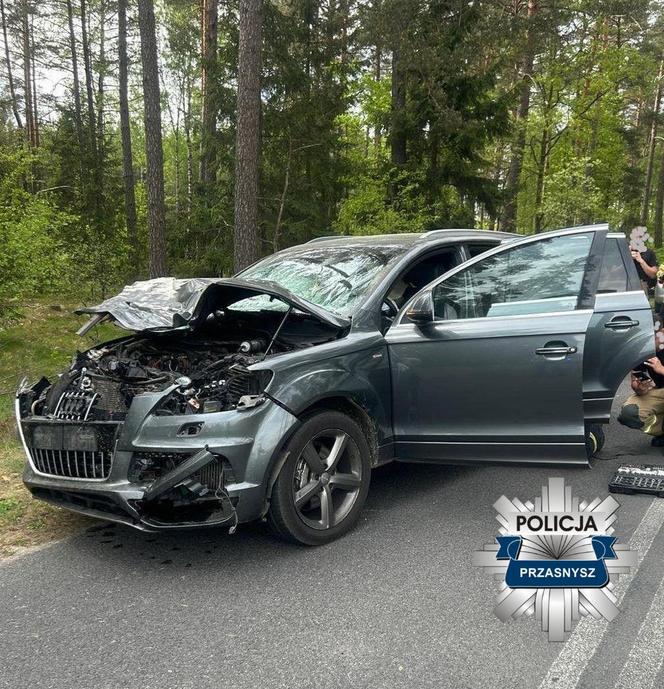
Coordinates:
x,y
361,376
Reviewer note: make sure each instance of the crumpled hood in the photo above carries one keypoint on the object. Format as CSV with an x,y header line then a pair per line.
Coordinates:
x,y
164,304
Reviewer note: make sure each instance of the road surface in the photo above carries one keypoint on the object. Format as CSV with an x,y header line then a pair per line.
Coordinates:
x,y
396,603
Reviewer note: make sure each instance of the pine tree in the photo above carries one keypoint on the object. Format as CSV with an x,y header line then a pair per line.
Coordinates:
x,y
247,147
154,153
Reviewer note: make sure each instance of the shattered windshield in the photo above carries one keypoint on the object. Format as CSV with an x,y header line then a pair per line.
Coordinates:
x,y
334,277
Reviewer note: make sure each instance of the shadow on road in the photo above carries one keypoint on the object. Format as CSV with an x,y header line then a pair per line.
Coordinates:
x,y
396,488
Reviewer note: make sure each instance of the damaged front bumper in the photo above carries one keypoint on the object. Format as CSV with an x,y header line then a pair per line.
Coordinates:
x,y
216,471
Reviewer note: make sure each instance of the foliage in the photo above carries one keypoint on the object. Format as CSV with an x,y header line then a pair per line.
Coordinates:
x,y
34,256
330,118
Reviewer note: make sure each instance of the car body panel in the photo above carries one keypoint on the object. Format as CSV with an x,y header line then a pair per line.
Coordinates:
x,y
355,368
460,392
608,350
249,440
165,304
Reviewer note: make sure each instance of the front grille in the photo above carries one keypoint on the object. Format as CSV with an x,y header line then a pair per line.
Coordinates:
x,y
71,450
72,463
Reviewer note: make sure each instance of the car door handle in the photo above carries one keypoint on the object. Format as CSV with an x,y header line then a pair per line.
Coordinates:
x,y
621,323
555,351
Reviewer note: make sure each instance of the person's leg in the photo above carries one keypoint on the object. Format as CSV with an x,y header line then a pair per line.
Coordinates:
x,y
644,412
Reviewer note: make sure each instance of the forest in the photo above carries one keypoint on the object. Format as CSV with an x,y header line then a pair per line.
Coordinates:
x,y
141,138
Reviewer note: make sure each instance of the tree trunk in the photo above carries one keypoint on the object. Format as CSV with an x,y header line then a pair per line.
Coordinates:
x,y
87,66
35,101
645,205
494,223
176,128
100,80
27,77
398,153
10,75
541,173
248,134
125,134
210,16
659,201
377,77
76,82
344,19
154,153
282,201
190,149
508,221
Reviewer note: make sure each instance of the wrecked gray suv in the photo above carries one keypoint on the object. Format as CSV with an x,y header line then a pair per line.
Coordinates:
x,y
275,393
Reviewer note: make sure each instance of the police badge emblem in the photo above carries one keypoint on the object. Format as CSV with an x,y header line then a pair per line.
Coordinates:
x,y
556,558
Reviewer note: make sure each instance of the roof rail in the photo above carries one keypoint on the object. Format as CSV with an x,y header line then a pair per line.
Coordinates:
x,y
326,236
430,233
461,230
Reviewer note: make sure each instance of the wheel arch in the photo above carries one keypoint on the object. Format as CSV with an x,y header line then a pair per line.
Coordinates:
x,y
341,403
355,410
597,410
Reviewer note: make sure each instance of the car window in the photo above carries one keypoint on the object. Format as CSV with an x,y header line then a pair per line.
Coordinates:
x,y
476,249
613,274
422,273
541,277
334,277
261,302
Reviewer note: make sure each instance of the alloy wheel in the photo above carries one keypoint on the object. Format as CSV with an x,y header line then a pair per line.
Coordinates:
x,y
327,479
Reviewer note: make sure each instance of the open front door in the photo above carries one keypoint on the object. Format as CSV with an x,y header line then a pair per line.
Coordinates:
x,y
497,373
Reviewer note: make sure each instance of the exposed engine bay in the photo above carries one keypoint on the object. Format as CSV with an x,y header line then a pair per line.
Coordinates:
x,y
209,367
194,349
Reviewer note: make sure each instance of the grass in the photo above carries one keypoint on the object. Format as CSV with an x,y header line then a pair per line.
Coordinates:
x,y
40,340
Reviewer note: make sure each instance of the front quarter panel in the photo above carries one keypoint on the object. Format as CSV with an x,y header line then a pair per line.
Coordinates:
x,y
355,368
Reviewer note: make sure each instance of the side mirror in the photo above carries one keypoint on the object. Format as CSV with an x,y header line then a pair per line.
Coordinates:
x,y
420,311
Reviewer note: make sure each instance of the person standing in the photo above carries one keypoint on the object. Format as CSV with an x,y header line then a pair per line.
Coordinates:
x,y
646,267
644,258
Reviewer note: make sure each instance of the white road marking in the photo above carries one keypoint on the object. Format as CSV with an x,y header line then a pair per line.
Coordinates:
x,y
567,668
647,654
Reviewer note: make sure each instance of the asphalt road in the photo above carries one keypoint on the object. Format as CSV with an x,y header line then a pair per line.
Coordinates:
x,y
396,603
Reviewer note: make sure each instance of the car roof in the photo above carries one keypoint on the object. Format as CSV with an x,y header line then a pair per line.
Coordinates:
x,y
408,239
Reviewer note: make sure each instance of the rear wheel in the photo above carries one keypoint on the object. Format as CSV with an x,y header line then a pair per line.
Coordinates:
x,y
595,439
320,490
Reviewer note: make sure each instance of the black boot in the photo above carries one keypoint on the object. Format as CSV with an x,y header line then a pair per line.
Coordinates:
x,y
658,441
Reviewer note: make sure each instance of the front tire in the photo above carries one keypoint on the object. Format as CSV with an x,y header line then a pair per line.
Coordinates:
x,y
322,487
